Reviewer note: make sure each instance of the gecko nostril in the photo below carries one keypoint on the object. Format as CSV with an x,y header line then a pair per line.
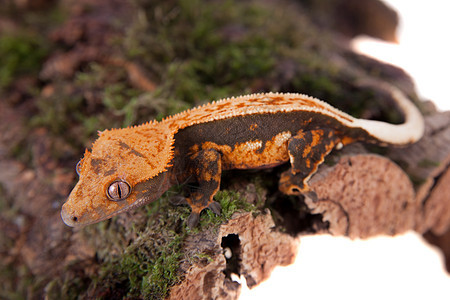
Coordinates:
x,y
69,217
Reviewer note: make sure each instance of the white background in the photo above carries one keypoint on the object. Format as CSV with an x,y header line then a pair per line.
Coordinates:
x,y
402,267
424,48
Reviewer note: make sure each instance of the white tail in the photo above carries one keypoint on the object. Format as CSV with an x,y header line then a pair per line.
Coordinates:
x,y
410,131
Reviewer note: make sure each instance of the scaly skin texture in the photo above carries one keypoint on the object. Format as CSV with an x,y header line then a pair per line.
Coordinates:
x,y
133,166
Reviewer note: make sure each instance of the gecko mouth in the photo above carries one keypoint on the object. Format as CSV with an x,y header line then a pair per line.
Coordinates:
x,y
72,220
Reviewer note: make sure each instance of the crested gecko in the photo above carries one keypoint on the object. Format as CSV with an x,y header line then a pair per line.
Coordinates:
x,y
130,167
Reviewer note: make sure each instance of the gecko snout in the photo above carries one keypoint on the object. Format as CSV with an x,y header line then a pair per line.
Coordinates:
x,y
69,218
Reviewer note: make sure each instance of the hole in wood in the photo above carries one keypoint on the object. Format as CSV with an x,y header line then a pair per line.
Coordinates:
x,y
231,246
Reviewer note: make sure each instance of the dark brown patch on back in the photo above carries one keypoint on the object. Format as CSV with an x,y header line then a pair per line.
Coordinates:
x,y
263,127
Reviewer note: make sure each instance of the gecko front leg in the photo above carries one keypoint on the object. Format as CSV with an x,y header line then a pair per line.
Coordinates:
x,y
206,166
307,150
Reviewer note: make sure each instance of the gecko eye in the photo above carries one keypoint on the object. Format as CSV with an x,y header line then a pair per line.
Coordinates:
x,y
118,190
78,167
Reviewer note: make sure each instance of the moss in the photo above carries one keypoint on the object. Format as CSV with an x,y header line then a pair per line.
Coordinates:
x,y
260,190
141,272
148,267
54,111
164,271
230,201
69,286
99,98
21,55
16,280
79,111
142,259
201,50
416,180
427,163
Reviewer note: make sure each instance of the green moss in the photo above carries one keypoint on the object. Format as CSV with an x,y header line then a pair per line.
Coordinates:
x,y
230,201
142,260
416,180
164,272
201,50
69,286
99,98
148,267
21,55
54,112
427,163
16,280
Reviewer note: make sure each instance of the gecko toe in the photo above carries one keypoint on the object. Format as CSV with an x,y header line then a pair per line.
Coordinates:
x,y
193,219
215,207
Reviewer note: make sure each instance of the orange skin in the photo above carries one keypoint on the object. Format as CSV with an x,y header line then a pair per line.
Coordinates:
x,y
130,167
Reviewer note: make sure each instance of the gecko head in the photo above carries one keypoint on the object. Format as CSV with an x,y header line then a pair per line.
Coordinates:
x,y
125,169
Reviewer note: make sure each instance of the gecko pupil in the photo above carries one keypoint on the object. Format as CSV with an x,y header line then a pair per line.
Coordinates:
x,y
118,190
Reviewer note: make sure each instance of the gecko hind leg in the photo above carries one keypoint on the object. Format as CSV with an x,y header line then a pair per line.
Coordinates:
x,y
207,168
307,150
